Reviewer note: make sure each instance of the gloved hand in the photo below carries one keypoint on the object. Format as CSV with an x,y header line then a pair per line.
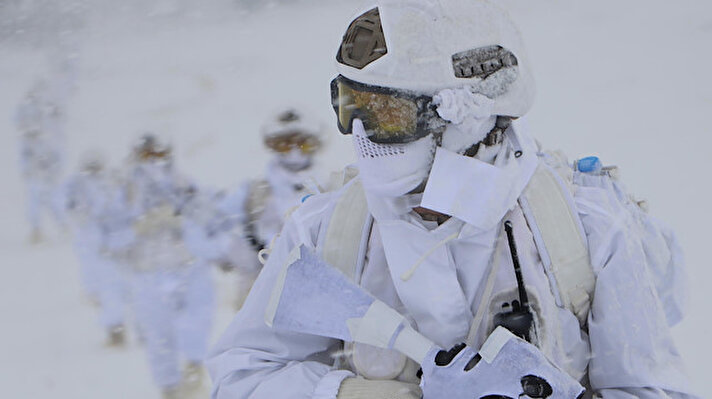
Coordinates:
x,y
505,367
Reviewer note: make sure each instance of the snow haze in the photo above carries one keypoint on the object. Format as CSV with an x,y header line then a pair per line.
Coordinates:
x,y
627,81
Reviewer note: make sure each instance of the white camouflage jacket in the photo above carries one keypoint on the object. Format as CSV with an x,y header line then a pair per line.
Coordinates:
x,y
625,350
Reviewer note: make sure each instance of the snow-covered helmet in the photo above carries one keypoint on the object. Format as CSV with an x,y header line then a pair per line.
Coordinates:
x,y
402,53
292,128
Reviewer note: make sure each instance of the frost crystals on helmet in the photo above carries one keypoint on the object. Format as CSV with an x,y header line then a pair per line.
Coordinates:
x,y
482,62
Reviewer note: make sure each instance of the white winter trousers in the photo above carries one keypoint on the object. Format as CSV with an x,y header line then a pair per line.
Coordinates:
x,y
41,196
101,278
174,309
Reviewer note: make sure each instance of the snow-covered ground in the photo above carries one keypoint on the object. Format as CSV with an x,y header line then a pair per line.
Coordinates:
x,y
627,81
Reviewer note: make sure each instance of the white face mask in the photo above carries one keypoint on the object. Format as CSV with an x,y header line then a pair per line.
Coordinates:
x,y
294,160
392,170
157,171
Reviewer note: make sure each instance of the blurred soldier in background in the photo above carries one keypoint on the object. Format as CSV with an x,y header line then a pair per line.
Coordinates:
x,y
260,206
96,203
171,285
38,120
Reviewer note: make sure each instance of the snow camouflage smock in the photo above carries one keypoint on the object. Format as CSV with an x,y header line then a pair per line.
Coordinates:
x,y
626,350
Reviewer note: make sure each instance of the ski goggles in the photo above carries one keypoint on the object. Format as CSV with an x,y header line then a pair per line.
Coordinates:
x,y
286,142
153,155
389,116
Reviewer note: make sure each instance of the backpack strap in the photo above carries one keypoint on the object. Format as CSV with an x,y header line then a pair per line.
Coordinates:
x,y
547,204
348,231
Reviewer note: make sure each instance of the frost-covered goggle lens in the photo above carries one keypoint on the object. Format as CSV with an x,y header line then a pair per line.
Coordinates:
x,y
388,115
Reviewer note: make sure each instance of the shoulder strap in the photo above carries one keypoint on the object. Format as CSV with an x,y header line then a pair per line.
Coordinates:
x,y
348,231
548,207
